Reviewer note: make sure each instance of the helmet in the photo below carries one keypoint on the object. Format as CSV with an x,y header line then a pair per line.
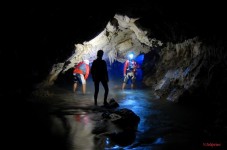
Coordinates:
x,y
86,61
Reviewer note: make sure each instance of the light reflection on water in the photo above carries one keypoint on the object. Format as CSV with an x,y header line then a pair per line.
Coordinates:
x,y
140,103
81,127
81,119
159,141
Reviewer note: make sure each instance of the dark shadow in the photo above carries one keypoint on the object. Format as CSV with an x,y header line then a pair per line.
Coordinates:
x,y
99,73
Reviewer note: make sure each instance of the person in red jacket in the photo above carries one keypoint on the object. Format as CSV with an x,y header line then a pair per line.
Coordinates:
x,y
80,73
130,68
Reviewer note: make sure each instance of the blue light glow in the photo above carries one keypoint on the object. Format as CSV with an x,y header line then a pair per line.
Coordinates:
x,y
139,59
107,141
159,141
116,147
130,56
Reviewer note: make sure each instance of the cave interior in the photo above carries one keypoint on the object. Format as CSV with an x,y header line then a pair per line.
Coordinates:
x,y
182,45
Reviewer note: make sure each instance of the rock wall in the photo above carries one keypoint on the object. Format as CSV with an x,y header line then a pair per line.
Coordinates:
x,y
183,67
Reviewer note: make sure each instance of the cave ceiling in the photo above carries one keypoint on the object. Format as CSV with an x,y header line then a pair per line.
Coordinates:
x,y
36,36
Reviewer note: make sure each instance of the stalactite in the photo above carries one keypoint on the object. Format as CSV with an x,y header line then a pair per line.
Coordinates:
x,y
115,41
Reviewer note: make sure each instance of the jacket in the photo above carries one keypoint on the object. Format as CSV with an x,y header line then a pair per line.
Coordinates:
x,y
82,68
130,66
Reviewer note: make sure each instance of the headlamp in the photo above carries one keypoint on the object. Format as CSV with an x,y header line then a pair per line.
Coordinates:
x,y
130,56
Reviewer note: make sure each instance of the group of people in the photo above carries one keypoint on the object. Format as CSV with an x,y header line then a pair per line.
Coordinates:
x,y
99,74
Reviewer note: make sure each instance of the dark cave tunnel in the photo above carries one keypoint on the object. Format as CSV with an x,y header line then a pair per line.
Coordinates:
x,y
50,32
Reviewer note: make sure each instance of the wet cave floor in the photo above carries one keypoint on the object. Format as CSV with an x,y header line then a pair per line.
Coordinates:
x,y
66,120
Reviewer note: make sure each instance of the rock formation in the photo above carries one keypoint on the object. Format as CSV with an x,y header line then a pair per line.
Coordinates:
x,y
120,36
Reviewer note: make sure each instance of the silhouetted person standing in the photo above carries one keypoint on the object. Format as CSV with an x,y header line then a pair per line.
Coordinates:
x,y
99,74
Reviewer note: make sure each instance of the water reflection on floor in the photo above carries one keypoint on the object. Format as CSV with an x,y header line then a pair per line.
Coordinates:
x,y
163,125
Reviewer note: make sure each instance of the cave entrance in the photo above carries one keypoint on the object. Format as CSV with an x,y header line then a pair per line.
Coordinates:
x,y
121,36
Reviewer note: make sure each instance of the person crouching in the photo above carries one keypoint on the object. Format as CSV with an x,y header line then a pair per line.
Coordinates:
x,y
80,73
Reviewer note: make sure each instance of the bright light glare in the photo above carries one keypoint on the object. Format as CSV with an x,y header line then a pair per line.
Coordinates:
x,y
130,56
